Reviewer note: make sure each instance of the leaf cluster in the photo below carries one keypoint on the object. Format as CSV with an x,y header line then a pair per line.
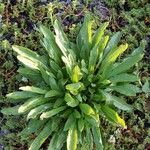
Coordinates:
x,y
75,85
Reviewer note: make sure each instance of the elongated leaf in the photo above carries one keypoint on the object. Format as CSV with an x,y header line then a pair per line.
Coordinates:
x,y
124,77
30,74
92,120
21,95
114,53
33,89
93,58
112,56
55,66
126,89
97,138
81,123
102,45
43,135
58,102
89,137
62,40
53,83
52,93
112,116
66,113
72,139
27,62
52,49
112,43
118,102
99,33
52,144
31,103
87,109
61,140
52,112
46,32
72,102
57,141
127,63
11,110
33,126
70,122
84,38
38,110
27,53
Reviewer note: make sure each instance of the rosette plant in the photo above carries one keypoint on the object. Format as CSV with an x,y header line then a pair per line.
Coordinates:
x,y
73,85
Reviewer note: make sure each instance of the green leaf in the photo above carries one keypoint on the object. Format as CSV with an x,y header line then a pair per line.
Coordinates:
x,y
52,93
92,120
57,141
52,49
102,45
84,38
61,140
32,127
74,88
72,102
70,122
112,56
33,89
93,58
97,138
117,101
124,77
38,110
76,114
58,102
127,63
55,67
72,139
31,103
87,109
146,87
81,123
52,112
11,110
62,40
27,53
126,89
21,95
112,43
30,74
114,53
42,136
99,33
66,113
89,137
27,62
46,75
52,144
53,83
76,74
112,116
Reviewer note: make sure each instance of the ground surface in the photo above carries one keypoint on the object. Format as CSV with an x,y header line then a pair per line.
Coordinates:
x,y
18,22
